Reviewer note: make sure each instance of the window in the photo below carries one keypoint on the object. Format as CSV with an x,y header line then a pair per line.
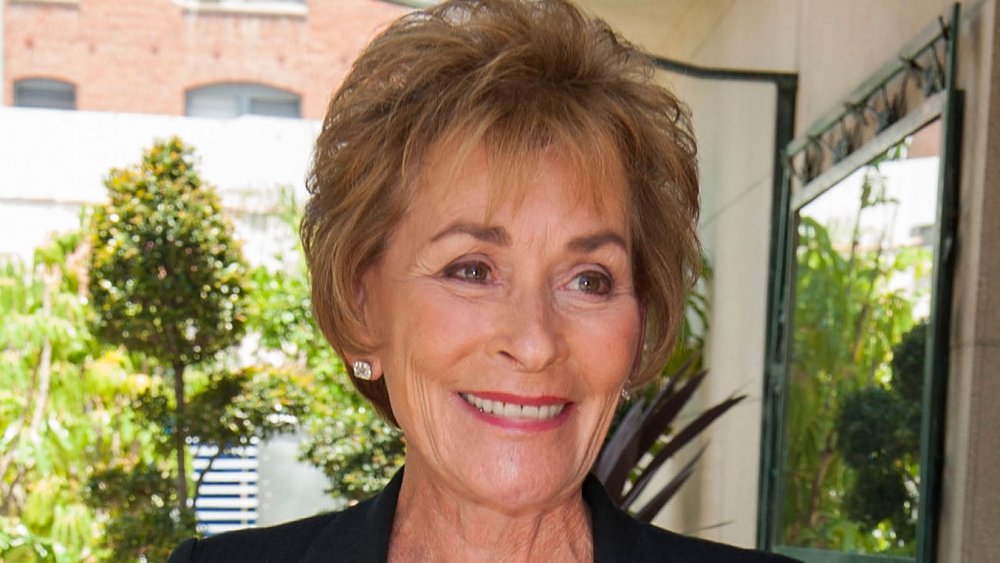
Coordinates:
x,y
233,100
44,93
857,350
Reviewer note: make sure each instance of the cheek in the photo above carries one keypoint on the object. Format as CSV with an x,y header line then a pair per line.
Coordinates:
x,y
607,346
431,333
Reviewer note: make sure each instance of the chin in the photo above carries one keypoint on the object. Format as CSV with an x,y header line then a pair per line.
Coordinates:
x,y
514,487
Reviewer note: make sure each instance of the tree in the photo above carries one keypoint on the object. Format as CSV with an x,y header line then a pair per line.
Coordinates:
x,y
63,403
167,276
879,430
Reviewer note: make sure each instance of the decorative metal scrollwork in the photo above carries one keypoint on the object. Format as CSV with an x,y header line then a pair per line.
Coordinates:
x,y
916,77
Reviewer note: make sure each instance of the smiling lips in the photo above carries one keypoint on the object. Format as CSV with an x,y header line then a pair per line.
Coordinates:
x,y
515,411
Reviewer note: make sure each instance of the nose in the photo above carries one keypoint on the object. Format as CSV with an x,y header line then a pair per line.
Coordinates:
x,y
531,337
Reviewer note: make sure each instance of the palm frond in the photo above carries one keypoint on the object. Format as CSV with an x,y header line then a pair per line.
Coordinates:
x,y
648,429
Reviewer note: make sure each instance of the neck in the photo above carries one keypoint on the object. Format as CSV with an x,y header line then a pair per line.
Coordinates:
x,y
433,523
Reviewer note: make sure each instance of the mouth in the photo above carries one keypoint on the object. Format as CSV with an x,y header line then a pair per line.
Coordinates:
x,y
514,410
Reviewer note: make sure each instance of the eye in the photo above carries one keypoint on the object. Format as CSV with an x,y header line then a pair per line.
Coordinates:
x,y
592,282
473,271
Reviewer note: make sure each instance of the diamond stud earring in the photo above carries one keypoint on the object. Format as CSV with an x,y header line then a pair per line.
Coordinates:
x,y
362,370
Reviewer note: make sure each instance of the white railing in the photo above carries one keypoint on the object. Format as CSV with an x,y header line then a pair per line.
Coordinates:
x,y
227,494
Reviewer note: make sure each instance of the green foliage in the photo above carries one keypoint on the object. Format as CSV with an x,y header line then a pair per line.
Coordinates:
x,y
62,403
875,425
145,522
879,430
89,426
167,275
232,408
908,359
19,545
226,410
848,429
255,402
356,449
344,436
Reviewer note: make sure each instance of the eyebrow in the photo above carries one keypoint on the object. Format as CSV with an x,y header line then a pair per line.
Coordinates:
x,y
492,235
500,237
592,242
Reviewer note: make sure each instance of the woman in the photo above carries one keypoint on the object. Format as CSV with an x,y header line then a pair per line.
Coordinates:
x,y
500,235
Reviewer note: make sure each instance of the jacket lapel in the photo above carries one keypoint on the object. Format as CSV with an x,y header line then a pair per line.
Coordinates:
x,y
615,533
359,534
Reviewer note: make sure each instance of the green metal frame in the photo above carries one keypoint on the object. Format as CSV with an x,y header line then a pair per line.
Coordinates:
x,y
947,104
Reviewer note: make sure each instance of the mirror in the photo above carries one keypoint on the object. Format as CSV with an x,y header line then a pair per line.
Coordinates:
x,y
863,259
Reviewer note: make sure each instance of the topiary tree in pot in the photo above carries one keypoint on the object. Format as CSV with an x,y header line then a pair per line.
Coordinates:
x,y
167,274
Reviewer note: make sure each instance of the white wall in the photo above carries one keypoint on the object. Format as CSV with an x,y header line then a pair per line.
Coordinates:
x,y
53,162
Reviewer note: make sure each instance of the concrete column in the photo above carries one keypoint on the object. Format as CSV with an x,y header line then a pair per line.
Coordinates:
x,y
971,490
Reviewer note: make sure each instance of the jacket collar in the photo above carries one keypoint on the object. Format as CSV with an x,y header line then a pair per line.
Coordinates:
x,y
360,534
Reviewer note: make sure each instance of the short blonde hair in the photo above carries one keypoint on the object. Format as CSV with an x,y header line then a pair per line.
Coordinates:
x,y
514,77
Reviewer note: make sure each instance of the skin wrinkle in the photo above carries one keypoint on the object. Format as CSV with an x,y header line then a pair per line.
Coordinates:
x,y
473,491
477,535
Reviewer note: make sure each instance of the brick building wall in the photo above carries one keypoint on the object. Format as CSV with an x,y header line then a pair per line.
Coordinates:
x,y
143,55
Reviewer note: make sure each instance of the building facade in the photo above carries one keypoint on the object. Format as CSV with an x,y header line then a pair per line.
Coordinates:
x,y
177,57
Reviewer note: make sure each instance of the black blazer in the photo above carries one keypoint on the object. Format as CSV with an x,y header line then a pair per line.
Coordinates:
x,y
360,534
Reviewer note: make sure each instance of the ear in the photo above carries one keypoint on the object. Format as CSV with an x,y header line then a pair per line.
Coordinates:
x,y
364,290
366,333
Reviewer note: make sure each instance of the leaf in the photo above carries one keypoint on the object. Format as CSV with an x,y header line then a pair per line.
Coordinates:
x,y
681,439
630,440
619,453
655,504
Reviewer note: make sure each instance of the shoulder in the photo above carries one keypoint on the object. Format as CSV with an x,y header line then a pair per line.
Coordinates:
x,y
620,538
658,544
359,534
285,542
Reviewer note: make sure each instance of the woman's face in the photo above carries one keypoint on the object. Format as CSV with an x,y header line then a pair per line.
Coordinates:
x,y
505,334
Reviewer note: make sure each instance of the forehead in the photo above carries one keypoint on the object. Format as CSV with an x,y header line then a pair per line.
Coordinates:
x,y
498,178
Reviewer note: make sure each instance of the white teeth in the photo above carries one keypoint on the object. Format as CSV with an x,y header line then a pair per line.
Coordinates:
x,y
513,410
510,410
